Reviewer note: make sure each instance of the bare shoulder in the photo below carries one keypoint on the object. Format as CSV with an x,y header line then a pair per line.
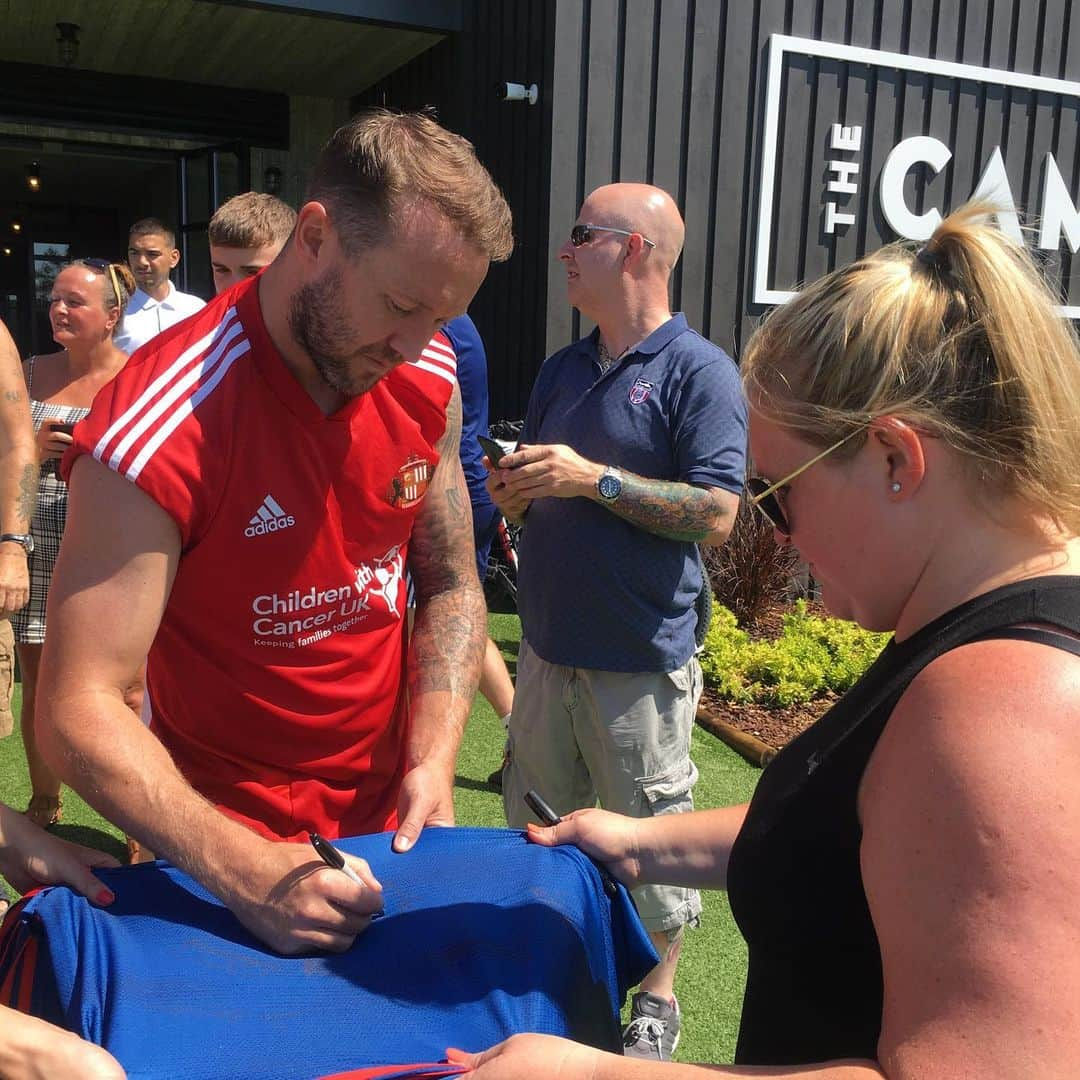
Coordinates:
x,y
970,810
987,735
48,369
982,706
46,360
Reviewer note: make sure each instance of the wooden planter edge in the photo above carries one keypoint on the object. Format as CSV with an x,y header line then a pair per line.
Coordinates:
x,y
747,746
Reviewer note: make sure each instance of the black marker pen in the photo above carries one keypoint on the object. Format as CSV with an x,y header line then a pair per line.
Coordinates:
x,y
541,808
543,811
333,858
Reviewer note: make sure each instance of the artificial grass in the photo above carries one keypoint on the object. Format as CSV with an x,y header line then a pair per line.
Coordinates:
x,y
713,966
712,970
82,824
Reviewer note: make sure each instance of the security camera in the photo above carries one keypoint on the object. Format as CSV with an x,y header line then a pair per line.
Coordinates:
x,y
514,91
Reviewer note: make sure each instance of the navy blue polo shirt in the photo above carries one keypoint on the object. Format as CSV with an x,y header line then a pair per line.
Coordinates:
x,y
595,591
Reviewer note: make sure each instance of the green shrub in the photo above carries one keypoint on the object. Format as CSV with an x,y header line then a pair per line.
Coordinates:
x,y
812,656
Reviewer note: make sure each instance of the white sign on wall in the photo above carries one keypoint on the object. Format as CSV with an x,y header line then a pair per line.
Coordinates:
x,y
848,178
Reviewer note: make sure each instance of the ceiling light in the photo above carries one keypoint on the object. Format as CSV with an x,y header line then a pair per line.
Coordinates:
x,y
33,176
16,225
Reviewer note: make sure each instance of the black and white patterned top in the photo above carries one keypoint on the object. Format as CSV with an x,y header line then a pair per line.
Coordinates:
x,y
47,527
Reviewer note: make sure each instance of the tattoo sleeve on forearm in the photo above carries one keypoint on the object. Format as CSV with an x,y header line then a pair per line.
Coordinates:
x,y
26,502
670,508
451,616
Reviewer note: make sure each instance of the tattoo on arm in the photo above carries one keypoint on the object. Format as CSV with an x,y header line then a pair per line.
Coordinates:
x,y
26,501
448,658
13,396
670,508
451,624
453,497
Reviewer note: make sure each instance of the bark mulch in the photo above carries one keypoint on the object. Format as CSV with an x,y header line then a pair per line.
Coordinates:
x,y
774,727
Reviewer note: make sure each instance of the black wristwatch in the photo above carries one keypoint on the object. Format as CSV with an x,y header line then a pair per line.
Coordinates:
x,y
609,486
25,539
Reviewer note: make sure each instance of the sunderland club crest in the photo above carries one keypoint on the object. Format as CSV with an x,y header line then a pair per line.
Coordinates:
x,y
410,483
640,391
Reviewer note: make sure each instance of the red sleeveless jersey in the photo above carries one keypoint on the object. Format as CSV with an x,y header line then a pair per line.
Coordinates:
x,y
276,677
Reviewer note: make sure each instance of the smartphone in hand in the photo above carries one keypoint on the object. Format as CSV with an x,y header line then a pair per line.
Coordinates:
x,y
66,426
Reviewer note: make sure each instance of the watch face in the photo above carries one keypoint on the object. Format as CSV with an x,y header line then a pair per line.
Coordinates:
x,y
609,486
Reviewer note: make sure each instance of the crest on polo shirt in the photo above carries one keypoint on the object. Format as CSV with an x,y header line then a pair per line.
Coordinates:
x,y
640,391
410,482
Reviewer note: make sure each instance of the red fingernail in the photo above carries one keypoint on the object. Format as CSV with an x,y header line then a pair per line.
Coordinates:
x,y
105,897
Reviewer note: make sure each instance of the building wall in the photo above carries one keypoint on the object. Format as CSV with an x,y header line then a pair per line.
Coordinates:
x,y
500,42
312,120
673,92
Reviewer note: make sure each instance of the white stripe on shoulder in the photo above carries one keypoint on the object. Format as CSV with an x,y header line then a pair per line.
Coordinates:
x,y
150,420
185,409
228,328
435,343
440,355
436,369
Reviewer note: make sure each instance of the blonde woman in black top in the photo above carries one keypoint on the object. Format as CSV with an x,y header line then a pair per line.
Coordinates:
x,y
907,875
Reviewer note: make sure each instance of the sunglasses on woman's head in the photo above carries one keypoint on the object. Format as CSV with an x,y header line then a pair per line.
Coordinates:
x,y
582,234
103,266
763,492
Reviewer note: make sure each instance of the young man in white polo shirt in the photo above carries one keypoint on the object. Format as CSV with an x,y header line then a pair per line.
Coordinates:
x,y
156,304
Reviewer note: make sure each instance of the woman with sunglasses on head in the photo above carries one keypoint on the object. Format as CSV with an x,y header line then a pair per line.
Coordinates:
x,y
86,306
907,875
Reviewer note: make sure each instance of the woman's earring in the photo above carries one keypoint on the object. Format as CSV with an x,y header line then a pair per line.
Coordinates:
x,y
896,487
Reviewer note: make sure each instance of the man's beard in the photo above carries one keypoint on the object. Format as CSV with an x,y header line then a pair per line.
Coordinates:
x,y
316,316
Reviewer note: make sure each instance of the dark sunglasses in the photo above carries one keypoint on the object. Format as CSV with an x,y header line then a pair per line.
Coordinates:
x,y
582,234
103,266
763,492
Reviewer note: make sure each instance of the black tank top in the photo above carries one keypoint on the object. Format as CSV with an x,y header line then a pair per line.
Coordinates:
x,y
814,982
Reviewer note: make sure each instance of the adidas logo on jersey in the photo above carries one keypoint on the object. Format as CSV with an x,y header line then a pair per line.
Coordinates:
x,y
269,518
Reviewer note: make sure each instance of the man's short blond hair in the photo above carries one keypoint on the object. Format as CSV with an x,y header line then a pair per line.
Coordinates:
x,y
380,161
252,220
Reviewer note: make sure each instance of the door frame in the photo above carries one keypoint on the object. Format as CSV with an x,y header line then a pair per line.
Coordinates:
x,y
189,226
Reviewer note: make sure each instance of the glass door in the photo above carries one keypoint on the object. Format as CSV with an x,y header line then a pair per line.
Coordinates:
x,y
206,178
49,257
